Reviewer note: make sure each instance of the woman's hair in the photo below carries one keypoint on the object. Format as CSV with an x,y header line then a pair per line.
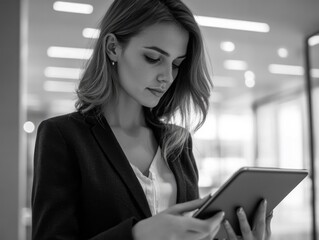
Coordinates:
x,y
188,94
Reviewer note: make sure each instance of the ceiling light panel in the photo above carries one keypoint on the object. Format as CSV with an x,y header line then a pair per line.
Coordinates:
x,y
227,46
286,69
232,24
282,52
250,79
67,52
235,65
91,33
313,40
72,7
59,86
62,72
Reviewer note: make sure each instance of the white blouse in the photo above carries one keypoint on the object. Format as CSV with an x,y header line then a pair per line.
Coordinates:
x,y
160,186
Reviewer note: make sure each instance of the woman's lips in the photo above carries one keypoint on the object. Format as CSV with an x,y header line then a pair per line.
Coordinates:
x,y
158,92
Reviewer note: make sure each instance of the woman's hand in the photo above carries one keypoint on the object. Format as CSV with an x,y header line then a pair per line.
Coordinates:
x,y
172,224
261,226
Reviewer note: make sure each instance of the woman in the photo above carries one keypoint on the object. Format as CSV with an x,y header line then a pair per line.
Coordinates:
x,y
118,168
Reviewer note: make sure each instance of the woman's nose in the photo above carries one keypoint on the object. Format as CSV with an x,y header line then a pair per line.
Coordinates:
x,y
166,75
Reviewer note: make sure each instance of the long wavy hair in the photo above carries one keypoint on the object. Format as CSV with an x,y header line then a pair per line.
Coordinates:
x,y
188,96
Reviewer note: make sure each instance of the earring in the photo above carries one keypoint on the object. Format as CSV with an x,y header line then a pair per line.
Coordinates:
x,y
113,63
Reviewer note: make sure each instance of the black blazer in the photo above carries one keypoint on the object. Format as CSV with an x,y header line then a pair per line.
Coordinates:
x,y
84,186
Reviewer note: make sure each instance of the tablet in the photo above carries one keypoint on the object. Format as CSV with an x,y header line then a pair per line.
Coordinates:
x,y
247,188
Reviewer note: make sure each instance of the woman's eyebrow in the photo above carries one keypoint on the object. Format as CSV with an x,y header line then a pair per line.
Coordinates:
x,y
162,51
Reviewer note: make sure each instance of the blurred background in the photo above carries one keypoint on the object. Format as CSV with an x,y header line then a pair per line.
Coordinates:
x,y
264,106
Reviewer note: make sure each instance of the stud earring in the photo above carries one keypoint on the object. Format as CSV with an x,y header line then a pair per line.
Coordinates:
x,y
113,63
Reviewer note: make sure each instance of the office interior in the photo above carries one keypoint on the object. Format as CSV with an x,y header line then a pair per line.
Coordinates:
x,y
264,108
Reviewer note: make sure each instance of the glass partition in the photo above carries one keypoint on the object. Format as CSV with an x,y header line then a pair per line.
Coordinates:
x,y
312,71
271,133
282,128
264,126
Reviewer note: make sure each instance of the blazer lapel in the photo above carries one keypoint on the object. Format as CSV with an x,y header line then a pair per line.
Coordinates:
x,y
115,155
177,170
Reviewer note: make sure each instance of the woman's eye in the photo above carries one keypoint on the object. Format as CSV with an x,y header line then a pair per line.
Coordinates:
x,y
175,66
151,60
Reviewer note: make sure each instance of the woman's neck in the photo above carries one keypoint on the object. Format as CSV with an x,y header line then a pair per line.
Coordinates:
x,y
124,113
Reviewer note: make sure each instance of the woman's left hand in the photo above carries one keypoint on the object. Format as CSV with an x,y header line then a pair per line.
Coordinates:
x,y
261,226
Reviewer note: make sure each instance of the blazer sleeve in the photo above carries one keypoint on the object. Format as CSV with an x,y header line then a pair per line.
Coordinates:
x,y
56,191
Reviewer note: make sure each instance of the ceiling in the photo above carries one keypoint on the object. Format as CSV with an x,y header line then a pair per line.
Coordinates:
x,y
290,22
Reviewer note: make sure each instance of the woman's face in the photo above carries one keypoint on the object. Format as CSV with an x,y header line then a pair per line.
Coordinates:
x,y
149,63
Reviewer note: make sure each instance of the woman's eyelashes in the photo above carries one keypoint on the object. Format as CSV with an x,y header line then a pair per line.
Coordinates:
x,y
175,66
153,60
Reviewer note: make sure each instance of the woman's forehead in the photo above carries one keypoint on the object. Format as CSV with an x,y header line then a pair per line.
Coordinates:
x,y
169,37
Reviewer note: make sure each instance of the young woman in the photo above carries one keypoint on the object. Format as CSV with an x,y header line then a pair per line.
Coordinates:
x,y
117,168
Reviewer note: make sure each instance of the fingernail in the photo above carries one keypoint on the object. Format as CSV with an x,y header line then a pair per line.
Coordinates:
x,y
208,196
226,223
221,215
265,202
270,215
240,210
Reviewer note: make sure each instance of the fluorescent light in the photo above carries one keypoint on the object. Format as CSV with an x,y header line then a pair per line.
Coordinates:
x,y
58,86
314,40
73,7
91,33
250,79
227,46
232,24
67,52
314,73
282,52
62,72
235,65
286,69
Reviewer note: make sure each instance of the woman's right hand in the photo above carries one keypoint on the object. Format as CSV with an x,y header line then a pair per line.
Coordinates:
x,y
173,224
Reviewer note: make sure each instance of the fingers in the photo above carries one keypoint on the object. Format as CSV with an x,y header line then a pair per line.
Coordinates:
x,y
215,222
268,223
261,229
206,226
260,220
181,208
244,225
214,233
229,230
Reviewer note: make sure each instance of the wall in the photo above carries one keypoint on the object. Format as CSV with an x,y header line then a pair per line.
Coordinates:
x,y
11,196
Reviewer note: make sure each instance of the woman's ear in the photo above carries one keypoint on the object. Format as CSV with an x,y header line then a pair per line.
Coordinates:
x,y
113,48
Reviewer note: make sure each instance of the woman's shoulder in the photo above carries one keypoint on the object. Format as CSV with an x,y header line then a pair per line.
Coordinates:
x,y
74,121
70,126
68,118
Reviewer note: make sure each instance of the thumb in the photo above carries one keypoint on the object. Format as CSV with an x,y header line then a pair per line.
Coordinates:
x,y
181,208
